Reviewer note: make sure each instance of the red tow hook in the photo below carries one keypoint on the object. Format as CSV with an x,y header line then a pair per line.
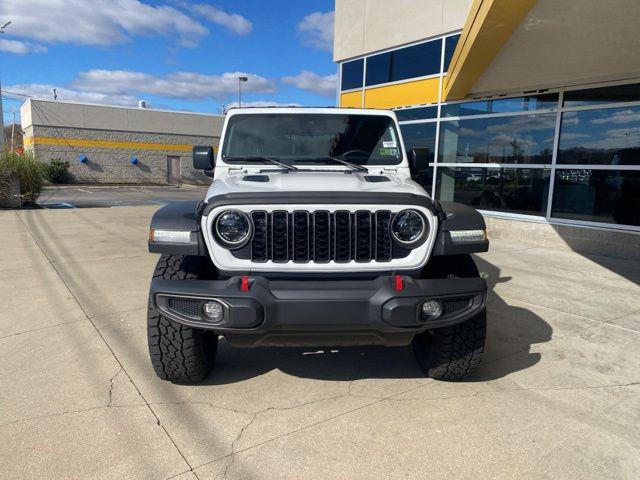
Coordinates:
x,y
244,284
398,283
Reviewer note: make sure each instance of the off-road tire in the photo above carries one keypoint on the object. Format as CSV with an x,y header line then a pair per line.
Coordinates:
x,y
178,353
451,353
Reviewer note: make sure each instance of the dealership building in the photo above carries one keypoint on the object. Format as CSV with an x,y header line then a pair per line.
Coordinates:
x,y
530,109
107,144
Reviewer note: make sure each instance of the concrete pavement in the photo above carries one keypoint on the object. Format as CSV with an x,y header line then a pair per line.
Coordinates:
x,y
558,395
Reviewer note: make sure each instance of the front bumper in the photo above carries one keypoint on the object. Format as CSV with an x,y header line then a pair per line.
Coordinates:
x,y
382,311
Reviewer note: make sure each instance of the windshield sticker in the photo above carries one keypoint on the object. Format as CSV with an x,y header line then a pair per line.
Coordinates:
x,y
391,144
389,152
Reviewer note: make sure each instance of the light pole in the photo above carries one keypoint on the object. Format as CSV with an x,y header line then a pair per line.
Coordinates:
x,y
240,80
5,25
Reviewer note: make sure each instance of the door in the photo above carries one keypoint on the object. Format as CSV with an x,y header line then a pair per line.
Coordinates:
x,y
173,170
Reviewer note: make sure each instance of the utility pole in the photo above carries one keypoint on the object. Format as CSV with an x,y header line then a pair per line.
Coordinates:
x,y
240,80
2,27
1,122
13,132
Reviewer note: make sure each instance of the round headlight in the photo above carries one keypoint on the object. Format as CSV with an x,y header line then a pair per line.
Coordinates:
x,y
408,227
233,228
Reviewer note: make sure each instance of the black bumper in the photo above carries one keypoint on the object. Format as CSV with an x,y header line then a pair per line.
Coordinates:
x,y
382,311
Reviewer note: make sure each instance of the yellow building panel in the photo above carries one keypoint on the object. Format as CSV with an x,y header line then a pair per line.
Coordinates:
x,y
90,143
403,94
488,27
351,99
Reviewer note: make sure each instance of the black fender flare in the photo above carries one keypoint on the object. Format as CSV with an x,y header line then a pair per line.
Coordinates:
x,y
181,216
456,216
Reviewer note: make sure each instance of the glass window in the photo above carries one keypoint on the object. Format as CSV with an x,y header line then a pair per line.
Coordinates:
x,y
607,137
378,69
607,196
515,190
516,139
598,96
422,135
352,74
306,138
449,47
416,61
409,62
422,113
501,105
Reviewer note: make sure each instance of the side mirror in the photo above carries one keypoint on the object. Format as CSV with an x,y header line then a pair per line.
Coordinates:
x,y
419,158
203,158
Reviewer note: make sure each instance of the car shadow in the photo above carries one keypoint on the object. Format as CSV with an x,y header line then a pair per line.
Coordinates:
x,y
511,332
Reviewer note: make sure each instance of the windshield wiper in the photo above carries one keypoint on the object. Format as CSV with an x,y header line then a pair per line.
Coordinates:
x,y
353,166
272,161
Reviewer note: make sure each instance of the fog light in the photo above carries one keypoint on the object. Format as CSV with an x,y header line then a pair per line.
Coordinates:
x,y
431,308
214,311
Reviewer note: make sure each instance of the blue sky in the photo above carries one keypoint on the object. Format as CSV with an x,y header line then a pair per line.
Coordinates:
x,y
174,54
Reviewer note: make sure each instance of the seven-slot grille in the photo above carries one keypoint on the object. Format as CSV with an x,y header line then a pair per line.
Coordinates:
x,y
321,236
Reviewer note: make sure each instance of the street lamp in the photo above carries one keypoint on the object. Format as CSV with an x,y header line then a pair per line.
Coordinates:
x,y
240,80
4,26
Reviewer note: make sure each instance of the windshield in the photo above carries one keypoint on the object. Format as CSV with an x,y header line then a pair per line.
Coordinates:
x,y
304,138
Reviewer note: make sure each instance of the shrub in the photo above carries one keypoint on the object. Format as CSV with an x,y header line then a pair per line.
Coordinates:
x,y
57,171
29,171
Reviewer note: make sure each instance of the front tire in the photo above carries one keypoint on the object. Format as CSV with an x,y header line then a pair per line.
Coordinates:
x,y
178,353
451,353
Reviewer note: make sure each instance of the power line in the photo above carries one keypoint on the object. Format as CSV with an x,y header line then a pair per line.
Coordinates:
x,y
16,94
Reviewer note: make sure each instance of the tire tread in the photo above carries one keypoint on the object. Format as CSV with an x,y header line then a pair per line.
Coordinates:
x,y
451,353
178,353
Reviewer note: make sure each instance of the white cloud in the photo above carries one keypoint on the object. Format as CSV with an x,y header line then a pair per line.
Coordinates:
x,y
312,82
233,21
262,103
317,30
619,117
45,92
20,48
183,85
105,22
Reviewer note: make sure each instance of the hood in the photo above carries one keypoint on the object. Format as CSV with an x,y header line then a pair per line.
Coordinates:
x,y
318,181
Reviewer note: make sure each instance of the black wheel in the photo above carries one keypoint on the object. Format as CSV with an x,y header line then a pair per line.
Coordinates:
x,y
451,353
179,353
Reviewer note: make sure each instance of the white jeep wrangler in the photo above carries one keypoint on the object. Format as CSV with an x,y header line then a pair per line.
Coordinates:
x,y
313,233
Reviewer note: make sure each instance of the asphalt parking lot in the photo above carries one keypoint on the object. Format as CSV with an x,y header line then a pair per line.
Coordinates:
x,y
557,396
91,196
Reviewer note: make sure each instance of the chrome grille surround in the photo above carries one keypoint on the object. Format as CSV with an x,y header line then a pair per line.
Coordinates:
x,y
291,244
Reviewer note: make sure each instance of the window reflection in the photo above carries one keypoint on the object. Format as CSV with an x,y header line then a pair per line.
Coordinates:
x,y
607,196
598,96
501,105
421,113
421,135
519,139
607,137
521,190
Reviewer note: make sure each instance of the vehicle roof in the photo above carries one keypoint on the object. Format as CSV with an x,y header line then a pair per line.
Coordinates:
x,y
311,110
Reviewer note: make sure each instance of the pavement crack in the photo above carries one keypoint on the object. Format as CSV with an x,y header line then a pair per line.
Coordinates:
x,y
191,402
232,456
67,412
75,298
111,385
41,328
